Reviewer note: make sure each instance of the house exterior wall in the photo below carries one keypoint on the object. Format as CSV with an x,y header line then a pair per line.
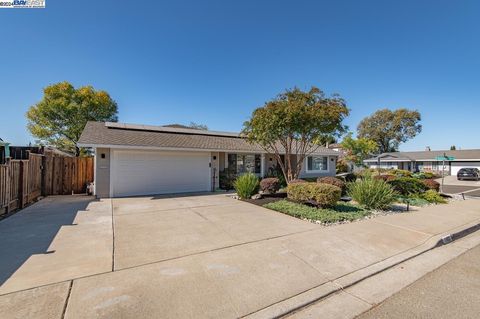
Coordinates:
x,y
102,172
271,162
331,169
218,161
215,168
221,161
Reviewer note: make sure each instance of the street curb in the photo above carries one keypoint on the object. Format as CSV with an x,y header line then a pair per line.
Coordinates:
x,y
318,293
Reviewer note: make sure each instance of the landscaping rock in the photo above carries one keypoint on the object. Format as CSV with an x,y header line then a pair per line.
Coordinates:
x,y
256,196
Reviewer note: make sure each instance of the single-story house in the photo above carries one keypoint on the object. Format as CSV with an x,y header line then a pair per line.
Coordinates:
x,y
427,160
142,160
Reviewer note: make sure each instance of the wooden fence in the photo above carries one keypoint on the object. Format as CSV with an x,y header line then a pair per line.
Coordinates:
x,y
23,181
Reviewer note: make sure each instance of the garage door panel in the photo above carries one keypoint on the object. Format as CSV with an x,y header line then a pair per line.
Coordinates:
x,y
144,173
456,166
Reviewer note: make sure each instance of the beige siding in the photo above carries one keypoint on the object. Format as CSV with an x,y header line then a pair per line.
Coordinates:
x,y
332,163
221,161
102,173
331,169
215,162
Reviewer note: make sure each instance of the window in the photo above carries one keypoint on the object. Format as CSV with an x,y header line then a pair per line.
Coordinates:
x,y
244,163
317,163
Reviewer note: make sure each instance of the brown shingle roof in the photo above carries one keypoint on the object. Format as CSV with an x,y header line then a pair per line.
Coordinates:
x,y
427,155
102,134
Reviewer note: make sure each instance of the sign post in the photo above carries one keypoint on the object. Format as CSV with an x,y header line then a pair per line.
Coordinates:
x,y
443,159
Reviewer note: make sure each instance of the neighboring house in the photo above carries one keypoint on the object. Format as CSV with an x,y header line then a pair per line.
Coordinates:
x,y
141,160
342,154
427,160
4,151
336,147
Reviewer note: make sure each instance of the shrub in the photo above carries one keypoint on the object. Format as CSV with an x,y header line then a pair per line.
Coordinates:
x,y
431,184
401,173
433,196
385,178
350,177
342,167
298,180
372,193
246,185
332,181
270,185
277,172
226,179
323,195
425,175
408,185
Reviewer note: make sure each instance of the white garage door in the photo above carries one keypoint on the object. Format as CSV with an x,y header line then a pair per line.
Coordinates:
x,y
456,166
153,172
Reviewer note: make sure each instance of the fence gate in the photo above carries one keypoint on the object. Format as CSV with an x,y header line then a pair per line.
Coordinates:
x,y
23,181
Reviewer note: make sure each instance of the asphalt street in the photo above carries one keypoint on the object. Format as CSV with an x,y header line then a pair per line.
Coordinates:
x,y
451,291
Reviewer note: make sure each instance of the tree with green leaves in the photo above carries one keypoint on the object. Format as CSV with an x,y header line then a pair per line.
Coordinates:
x,y
358,150
59,118
291,123
453,148
390,128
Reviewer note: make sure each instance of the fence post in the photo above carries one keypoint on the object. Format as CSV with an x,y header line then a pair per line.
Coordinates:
x,y
43,168
20,185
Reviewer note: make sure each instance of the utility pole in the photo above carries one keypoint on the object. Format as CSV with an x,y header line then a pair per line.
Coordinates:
x,y
443,171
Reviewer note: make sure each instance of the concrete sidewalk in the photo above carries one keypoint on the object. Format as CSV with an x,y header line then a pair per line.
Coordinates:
x,y
256,276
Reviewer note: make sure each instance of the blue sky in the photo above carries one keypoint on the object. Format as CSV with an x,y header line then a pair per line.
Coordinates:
x,y
213,62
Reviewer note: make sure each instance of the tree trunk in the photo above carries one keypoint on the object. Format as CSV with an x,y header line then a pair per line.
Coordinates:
x,y
77,151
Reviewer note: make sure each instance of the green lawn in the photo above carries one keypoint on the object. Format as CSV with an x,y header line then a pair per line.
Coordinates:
x,y
338,213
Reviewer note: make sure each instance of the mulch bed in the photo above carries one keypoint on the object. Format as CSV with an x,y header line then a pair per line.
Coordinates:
x,y
267,199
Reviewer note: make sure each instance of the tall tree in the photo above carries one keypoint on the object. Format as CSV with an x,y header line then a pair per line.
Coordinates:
x,y
357,150
59,118
291,123
453,148
390,128
198,126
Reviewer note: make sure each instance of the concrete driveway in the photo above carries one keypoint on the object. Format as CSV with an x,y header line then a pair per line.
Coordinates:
x,y
453,186
204,256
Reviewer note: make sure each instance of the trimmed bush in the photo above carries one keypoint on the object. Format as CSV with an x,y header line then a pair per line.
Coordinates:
x,y
372,193
408,185
332,181
323,195
433,196
298,180
431,184
246,185
277,172
270,185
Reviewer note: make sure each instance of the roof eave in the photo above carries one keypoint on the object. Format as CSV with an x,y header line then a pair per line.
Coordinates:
x,y
146,147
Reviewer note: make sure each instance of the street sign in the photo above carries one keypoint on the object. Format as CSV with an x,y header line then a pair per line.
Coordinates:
x,y
445,158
